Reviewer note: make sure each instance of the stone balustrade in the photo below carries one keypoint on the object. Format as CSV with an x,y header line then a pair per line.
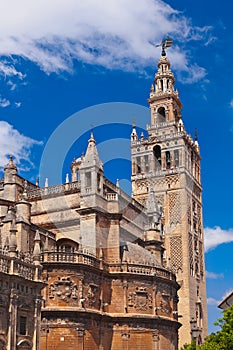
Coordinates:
x,y
121,195
85,258
16,266
55,189
111,196
70,257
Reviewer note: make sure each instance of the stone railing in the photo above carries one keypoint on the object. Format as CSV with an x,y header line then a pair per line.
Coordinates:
x,y
55,189
121,194
15,266
5,262
160,125
88,259
111,196
24,270
140,269
160,172
84,258
1,184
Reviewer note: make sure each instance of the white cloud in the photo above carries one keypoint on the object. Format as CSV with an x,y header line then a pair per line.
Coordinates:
x,y
213,275
112,33
213,301
7,69
12,142
231,103
4,102
216,236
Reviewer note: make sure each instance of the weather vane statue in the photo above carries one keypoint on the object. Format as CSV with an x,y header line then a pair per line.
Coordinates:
x,y
165,44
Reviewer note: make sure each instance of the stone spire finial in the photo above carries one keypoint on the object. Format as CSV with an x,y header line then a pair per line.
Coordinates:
x,y
36,250
46,182
134,135
46,245
91,139
11,165
196,141
92,157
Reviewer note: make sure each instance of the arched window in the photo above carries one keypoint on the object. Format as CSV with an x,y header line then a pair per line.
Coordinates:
x,y
168,159
138,162
88,179
161,114
176,158
146,160
196,269
157,156
66,245
77,175
161,84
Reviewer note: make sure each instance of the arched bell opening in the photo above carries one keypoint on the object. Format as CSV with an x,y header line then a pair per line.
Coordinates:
x,y
157,156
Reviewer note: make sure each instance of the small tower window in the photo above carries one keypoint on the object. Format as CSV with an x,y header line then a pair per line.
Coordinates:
x,y
168,159
88,179
23,325
138,162
157,156
176,158
78,175
99,182
146,159
161,115
161,85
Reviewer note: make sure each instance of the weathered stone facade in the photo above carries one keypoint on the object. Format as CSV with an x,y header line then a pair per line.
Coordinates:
x,y
109,263
103,288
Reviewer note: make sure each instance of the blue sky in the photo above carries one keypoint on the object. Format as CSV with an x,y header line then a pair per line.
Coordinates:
x,y
59,57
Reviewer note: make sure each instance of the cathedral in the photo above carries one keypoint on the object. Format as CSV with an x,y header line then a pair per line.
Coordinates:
x,y
83,265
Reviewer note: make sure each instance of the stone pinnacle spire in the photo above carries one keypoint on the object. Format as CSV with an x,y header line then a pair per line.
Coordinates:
x,y
92,157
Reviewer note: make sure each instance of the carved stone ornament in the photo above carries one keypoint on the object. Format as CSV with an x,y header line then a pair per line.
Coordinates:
x,y
140,299
142,185
165,306
64,289
92,291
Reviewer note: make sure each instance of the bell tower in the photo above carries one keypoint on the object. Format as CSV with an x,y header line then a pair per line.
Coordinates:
x,y
169,162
